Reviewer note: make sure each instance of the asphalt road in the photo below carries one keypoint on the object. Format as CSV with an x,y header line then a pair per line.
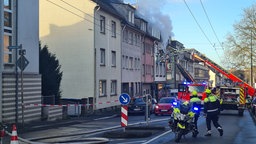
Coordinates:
x,y
236,130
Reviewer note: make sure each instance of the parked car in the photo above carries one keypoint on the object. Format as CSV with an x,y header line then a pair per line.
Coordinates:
x,y
253,106
137,105
165,106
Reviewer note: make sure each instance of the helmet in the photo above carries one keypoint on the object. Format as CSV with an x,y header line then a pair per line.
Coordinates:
x,y
208,91
185,103
194,93
184,107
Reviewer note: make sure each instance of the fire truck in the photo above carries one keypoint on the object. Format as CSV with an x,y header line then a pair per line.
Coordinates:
x,y
185,90
233,96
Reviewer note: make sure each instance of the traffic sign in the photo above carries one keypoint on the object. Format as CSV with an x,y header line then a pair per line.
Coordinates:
x,y
22,62
124,99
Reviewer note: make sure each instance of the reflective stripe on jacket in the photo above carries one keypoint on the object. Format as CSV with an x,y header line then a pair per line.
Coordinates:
x,y
211,104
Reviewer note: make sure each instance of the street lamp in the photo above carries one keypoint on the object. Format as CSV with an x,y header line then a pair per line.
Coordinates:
x,y
251,63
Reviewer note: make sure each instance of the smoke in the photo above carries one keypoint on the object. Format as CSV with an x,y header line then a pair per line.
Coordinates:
x,y
151,11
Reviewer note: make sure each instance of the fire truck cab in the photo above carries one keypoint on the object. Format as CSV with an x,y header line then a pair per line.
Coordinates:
x,y
185,90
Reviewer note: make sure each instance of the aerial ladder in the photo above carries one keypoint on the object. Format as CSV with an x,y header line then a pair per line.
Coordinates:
x,y
251,91
227,94
185,74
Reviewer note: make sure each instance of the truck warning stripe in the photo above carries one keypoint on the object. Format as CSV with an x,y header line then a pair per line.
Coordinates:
x,y
241,98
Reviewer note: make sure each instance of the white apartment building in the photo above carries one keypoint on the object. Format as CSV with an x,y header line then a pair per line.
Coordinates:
x,y
85,37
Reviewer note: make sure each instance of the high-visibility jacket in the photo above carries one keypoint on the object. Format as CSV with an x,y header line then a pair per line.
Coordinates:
x,y
211,105
195,102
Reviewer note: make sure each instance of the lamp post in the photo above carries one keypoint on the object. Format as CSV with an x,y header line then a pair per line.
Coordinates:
x,y
251,63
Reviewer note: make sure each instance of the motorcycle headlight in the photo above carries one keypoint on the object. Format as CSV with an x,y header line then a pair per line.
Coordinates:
x,y
196,108
180,116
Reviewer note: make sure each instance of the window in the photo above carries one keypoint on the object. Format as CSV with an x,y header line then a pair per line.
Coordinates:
x,y
7,31
123,62
131,17
113,53
113,87
102,24
102,87
139,64
143,26
7,52
135,64
126,62
102,56
130,35
113,29
8,19
131,63
7,4
126,36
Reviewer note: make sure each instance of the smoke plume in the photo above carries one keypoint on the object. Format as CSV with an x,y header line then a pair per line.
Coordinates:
x,y
151,11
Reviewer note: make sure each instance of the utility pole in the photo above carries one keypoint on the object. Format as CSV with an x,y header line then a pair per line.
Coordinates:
x,y
251,63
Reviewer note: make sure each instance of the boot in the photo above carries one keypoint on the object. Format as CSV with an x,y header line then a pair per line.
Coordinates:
x,y
208,133
196,132
220,131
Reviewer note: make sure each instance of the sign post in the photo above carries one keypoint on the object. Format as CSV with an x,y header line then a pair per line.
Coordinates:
x,y
22,63
124,100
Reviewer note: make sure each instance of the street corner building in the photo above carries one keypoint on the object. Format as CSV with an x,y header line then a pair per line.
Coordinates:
x,y
20,81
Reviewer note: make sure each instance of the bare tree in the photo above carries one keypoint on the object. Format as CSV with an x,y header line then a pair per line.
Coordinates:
x,y
238,45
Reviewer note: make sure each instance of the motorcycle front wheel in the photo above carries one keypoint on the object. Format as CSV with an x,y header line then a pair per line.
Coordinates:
x,y
178,136
194,134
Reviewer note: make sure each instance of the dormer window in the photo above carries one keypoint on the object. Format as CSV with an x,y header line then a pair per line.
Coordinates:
x,y
143,26
131,17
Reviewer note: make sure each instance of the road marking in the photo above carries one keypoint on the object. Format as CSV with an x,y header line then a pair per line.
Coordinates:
x,y
105,117
169,131
133,142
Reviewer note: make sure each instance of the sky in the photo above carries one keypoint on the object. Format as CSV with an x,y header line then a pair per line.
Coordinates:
x,y
200,24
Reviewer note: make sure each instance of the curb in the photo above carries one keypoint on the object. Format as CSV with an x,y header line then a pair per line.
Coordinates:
x,y
127,134
134,132
145,128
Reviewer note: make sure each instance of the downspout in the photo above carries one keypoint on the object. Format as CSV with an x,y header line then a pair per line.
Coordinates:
x,y
122,57
154,73
95,62
143,38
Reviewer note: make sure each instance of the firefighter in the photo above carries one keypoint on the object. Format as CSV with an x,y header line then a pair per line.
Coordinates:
x,y
195,102
212,110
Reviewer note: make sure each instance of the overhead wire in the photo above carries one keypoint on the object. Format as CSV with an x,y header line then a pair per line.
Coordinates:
x,y
200,26
81,16
213,30
211,24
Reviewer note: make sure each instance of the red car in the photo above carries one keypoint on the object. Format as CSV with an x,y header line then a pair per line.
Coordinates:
x,y
165,106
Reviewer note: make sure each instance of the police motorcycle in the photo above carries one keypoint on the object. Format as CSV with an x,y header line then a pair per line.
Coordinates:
x,y
182,120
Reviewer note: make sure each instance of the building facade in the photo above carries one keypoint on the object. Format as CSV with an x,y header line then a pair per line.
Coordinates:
x,y
131,43
152,38
87,44
20,81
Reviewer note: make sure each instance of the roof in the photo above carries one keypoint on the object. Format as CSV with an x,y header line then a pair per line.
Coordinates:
x,y
106,6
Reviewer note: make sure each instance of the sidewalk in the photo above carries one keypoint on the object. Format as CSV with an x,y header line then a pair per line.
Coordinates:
x,y
44,125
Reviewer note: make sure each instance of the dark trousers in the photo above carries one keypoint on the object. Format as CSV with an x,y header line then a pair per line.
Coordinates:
x,y
196,119
214,118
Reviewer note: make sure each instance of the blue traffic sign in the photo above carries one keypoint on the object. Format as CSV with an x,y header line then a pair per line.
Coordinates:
x,y
124,99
